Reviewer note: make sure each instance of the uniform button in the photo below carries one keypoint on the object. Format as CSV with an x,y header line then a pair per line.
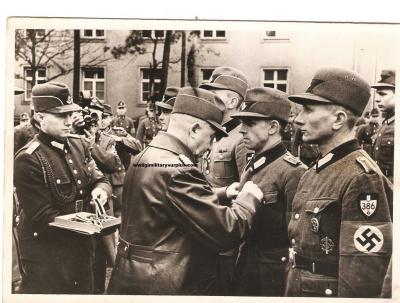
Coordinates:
x,y
65,151
379,135
316,210
35,234
389,142
221,156
76,283
296,216
79,181
119,168
89,169
58,181
293,241
209,160
75,171
377,148
207,171
70,161
81,191
283,259
328,292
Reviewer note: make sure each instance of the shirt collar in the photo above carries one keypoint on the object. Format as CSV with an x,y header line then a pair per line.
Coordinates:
x,y
336,154
267,157
171,143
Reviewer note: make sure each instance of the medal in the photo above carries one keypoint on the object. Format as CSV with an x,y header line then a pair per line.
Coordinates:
x,y
314,225
327,245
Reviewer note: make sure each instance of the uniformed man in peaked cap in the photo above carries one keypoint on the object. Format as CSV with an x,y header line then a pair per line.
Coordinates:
x,y
55,175
227,157
173,225
263,259
164,107
122,120
383,149
340,230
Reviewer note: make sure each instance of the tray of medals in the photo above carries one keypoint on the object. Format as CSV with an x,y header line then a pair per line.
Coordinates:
x,y
87,223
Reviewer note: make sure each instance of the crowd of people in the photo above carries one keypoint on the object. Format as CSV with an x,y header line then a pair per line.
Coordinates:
x,y
222,189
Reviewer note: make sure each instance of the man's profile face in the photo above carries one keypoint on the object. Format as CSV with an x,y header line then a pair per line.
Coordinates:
x,y
385,100
202,139
164,119
315,123
56,125
255,133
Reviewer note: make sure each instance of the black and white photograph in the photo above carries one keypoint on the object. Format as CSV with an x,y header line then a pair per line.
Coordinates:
x,y
230,159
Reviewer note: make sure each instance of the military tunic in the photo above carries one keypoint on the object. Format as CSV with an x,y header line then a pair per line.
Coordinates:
x,y
365,135
262,262
383,150
173,226
24,133
340,229
55,178
125,122
147,130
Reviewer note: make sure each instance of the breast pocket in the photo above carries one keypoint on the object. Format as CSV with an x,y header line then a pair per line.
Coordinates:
x,y
387,149
223,168
313,285
323,222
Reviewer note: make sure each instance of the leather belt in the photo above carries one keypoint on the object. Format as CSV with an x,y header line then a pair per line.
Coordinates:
x,y
314,266
140,253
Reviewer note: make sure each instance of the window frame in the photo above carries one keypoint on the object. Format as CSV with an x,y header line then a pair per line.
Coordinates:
x,y
94,80
275,80
201,78
140,69
214,36
26,79
94,37
153,34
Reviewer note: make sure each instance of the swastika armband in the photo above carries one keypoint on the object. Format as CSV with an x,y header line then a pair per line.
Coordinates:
x,y
366,238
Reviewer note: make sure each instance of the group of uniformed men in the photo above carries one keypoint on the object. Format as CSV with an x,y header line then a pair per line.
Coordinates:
x,y
214,204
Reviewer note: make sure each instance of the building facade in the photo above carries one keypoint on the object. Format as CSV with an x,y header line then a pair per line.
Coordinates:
x,y
282,59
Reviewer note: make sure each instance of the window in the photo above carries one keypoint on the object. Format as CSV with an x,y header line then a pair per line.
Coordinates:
x,y
39,33
93,80
276,78
93,33
212,34
40,78
145,80
206,74
153,34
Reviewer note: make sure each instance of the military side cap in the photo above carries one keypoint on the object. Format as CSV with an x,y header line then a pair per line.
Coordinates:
x,y
202,104
337,86
24,117
169,104
107,109
53,97
121,104
267,103
388,80
227,78
170,92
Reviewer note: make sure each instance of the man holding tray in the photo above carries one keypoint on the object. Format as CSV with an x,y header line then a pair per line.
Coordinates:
x,y
55,175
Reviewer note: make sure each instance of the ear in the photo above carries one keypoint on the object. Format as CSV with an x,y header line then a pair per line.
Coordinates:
x,y
233,102
194,129
39,117
341,118
273,127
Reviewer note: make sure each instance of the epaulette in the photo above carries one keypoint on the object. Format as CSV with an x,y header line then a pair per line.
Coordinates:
x,y
32,147
76,136
366,164
288,157
185,160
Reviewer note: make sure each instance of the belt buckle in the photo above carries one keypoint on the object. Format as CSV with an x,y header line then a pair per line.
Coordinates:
x,y
292,257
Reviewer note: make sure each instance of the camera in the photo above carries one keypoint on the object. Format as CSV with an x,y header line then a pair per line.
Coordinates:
x,y
90,118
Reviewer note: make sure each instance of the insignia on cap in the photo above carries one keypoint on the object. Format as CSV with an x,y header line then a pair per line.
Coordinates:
x,y
368,203
69,100
368,239
185,160
32,147
327,245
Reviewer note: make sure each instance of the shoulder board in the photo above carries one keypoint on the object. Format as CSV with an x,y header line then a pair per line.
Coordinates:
x,y
366,164
291,159
76,136
32,147
185,160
